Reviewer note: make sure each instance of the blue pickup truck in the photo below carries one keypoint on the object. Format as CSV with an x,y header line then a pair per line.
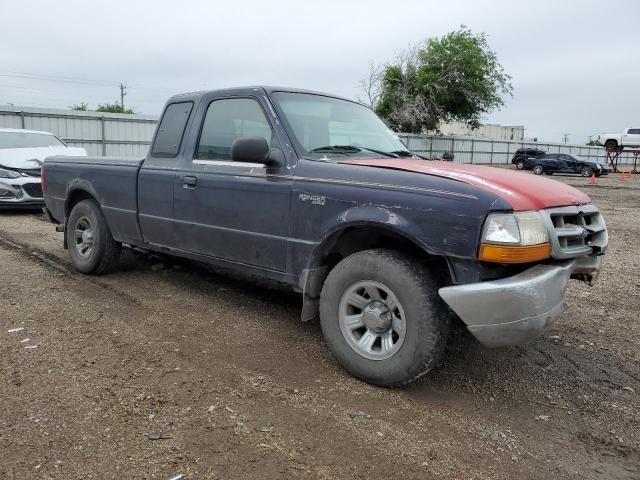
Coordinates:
x,y
312,190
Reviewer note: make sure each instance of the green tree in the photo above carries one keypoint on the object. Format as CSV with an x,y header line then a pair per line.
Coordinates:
x,y
113,108
455,77
82,107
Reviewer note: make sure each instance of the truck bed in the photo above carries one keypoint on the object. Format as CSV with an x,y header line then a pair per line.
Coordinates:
x,y
113,182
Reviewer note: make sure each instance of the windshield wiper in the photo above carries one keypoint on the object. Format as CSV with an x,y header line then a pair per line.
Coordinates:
x,y
381,152
342,149
403,153
349,149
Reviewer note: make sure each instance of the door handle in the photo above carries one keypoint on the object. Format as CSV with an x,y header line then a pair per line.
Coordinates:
x,y
189,182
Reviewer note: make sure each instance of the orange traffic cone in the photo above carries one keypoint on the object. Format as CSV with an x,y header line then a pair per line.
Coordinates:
x,y
593,179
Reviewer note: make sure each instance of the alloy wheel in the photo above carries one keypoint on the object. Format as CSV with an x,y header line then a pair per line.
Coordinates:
x,y
372,320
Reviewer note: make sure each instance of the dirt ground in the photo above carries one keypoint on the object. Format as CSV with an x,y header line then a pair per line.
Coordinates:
x,y
236,387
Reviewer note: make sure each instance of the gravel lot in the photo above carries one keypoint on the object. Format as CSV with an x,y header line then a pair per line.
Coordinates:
x,y
237,387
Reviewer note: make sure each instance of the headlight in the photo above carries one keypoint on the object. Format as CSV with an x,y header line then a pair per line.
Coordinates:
x,y
8,173
519,237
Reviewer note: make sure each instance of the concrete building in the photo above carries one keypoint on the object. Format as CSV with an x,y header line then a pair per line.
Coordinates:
x,y
492,131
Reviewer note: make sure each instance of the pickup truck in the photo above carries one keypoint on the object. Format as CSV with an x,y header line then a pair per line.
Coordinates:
x,y
630,137
314,191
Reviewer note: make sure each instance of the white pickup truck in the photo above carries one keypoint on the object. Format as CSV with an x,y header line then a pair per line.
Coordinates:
x,y
630,137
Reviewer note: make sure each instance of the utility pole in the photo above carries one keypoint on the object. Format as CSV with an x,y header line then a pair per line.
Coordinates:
x,y
565,137
123,92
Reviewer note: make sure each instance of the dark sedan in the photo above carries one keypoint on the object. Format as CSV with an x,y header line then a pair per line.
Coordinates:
x,y
565,163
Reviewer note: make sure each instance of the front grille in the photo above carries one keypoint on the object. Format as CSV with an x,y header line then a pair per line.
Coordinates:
x,y
575,231
33,189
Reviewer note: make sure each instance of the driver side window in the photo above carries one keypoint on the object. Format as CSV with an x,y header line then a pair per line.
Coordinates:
x,y
227,120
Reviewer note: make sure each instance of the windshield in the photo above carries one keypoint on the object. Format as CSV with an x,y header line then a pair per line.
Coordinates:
x,y
28,140
326,126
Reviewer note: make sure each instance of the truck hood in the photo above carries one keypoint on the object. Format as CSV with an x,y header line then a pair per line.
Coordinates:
x,y
522,191
31,158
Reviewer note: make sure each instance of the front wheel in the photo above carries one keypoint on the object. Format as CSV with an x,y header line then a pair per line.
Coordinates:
x,y
538,170
382,317
586,171
520,165
91,246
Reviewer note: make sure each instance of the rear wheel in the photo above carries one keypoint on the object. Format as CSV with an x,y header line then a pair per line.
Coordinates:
x,y
91,246
520,164
538,170
382,317
586,171
610,144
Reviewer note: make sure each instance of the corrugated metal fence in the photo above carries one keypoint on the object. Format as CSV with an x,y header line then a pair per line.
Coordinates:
x,y
496,152
115,134
109,134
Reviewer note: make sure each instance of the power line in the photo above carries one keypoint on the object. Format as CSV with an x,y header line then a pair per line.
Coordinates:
x,y
76,80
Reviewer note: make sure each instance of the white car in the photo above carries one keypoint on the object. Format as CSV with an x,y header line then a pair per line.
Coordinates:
x,y
630,137
21,155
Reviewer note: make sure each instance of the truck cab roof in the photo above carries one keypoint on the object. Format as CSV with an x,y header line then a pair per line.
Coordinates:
x,y
195,96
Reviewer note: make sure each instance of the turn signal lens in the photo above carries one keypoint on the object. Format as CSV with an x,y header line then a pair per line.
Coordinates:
x,y
508,254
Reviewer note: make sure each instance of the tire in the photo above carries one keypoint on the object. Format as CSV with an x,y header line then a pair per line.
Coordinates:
x,y
538,170
520,164
611,145
418,317
586,171
91,246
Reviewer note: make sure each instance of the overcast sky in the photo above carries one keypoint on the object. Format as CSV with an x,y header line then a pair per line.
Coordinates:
x,y
575,65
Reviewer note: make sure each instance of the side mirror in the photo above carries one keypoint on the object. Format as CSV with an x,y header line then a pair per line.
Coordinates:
x,y
250,150
276,158
256,150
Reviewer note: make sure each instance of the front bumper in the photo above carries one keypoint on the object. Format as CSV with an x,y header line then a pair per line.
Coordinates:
x,y
21,192
515,310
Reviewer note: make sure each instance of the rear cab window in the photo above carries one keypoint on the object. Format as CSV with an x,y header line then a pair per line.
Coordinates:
x,y
171,130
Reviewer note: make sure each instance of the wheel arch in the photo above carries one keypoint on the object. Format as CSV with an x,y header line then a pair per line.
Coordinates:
x,y
74,196
358,236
